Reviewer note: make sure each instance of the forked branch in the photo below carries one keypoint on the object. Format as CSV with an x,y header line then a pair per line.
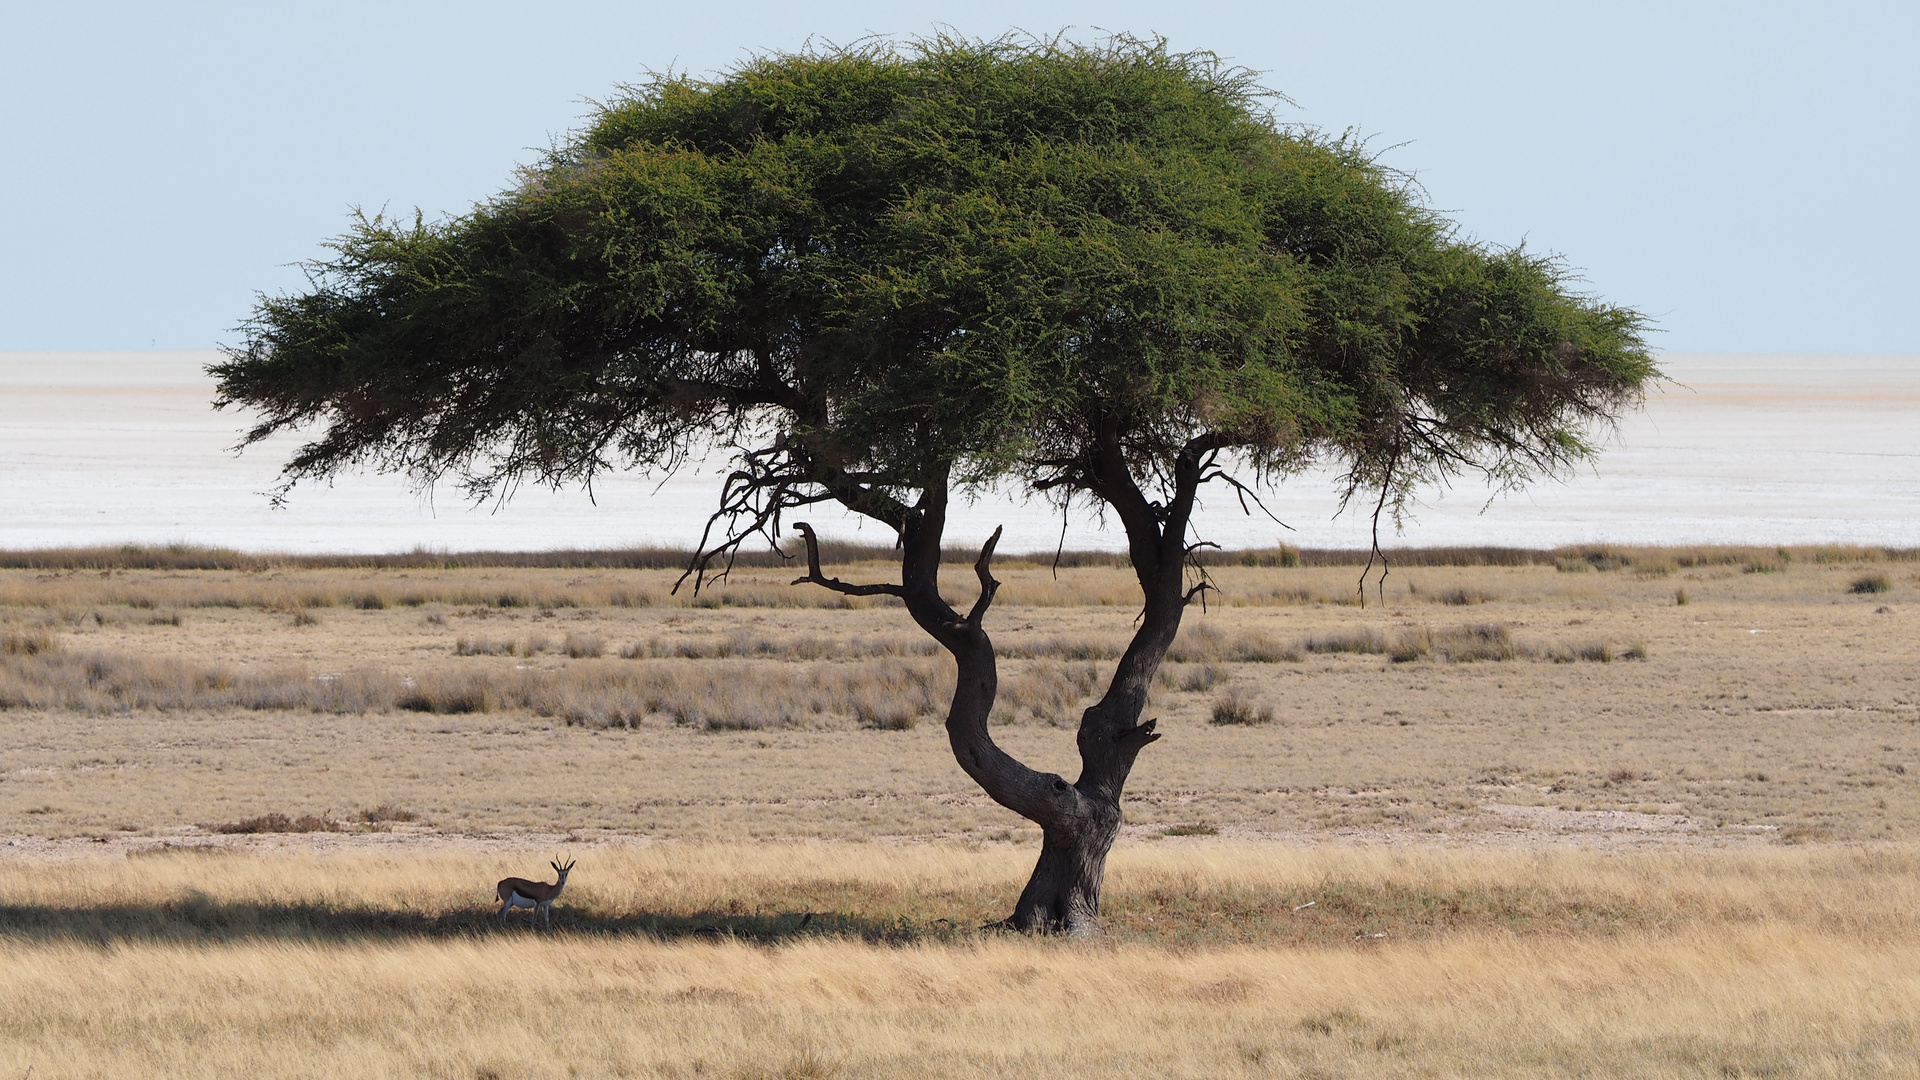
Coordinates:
x,y
988,585
814,576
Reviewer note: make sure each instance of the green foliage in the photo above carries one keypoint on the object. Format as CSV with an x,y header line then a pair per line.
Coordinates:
x,y
873,269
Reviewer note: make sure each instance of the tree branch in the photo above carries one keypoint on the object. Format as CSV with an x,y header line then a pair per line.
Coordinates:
x,y
988,586
815,577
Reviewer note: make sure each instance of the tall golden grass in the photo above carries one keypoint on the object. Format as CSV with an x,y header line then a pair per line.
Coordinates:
x,y
683,962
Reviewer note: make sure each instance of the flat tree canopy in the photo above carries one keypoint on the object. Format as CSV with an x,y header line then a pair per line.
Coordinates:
x,y
882,275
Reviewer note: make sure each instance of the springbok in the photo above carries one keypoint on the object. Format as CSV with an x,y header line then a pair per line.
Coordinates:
x,y
519,892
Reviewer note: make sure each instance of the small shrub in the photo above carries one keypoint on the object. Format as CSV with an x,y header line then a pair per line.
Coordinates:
x,y
1347,641
1463,597
27,643
1234,707
583,646
1805,833
1869,584
387,812
1680,597
481,645
1199,828
279,823
164,618
1195,678
1599,652
887,718
371,601
534,644
448,693
1462,644
305,618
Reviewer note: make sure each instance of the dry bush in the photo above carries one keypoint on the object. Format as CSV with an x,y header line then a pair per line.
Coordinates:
x,y
387,812
278,823
1236,707
1191,678
1597,651
1204,642
482,645
1462,597
1046,690
744,643
26,643
1062,647
1870,583
583,646
1191,829
1361,640
1460,644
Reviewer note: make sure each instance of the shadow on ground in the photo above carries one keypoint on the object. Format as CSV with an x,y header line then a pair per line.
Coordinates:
x,y
199,918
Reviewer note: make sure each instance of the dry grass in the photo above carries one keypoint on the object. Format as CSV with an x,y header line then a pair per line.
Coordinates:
x,y
246,842
797,721
863,961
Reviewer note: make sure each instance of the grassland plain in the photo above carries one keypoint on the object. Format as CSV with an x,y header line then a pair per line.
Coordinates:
x,y
1613,812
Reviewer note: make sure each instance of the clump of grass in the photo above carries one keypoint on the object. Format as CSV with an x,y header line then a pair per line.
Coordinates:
x,y
583,646
443,692
1680,597
1235,707
387,812
534,645
482,645
1463,597
1202,642
1870,583
1197,828
1461,644
27,643
1598,652
304,617
1045,690
164,618
1191,678
372,601
886,716
1347,641
279,823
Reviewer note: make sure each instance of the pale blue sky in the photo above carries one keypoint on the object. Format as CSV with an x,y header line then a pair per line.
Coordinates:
x,y
1743,172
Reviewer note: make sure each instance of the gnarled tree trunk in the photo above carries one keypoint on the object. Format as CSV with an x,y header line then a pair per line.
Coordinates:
x,y
1080,820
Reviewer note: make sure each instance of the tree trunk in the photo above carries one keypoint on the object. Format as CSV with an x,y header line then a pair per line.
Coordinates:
x,y
1079,821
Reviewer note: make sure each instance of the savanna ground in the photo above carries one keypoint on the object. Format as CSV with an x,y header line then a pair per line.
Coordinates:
x,y
1588,812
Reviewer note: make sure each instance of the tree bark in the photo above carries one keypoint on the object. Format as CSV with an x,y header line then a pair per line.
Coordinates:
x,y
1079,821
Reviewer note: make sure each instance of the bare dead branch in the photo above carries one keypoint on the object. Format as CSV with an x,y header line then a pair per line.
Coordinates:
x,y
815,577
988,586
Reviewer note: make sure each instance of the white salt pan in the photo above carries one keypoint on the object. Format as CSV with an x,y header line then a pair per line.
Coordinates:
x,y
100,448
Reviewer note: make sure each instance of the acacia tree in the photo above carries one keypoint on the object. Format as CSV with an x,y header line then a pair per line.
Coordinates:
x,y
883,276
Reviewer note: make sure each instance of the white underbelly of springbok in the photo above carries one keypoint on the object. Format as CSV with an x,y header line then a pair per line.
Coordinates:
x,y
516,900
